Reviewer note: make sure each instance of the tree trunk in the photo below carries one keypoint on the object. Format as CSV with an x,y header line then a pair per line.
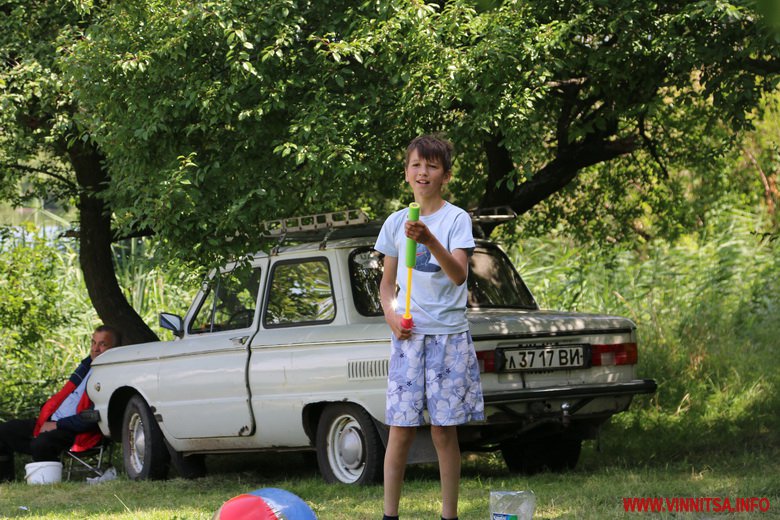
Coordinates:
x,y
499,166
95,256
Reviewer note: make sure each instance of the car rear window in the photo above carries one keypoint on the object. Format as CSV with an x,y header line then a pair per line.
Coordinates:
x,y
493,282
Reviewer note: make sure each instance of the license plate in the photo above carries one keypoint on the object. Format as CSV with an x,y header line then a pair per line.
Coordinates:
x,y
540,357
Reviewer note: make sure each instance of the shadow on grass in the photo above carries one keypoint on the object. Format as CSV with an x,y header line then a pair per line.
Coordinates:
x,y
703,432
264,467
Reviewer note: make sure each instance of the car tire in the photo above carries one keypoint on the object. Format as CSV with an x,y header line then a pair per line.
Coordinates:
x,y
349,449
555,453
144,452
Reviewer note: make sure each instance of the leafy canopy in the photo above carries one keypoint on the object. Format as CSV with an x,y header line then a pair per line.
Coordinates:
x,y
215,116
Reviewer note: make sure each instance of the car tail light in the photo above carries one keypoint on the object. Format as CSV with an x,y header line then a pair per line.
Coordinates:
x,y
487,361
619,354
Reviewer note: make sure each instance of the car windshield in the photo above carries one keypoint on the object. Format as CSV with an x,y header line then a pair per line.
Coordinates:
x,y
493,282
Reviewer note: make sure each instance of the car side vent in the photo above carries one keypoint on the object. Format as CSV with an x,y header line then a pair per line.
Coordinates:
x,y
367,369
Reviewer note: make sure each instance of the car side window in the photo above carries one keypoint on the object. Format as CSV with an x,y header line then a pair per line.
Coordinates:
x,y
300,293
230,302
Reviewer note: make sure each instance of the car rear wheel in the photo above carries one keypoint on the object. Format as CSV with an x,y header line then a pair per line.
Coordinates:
x,y
349,449
555,453
144,452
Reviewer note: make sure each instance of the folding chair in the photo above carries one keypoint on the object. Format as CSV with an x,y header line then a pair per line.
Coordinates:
x,y
94,461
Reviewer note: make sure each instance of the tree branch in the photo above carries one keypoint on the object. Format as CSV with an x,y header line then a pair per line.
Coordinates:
x,y
762,67
30,169
650,144
565,84
560,171
564,120
770,191
140,233
146,232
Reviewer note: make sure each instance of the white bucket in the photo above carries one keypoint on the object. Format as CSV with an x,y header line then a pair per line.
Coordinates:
x,y
47,472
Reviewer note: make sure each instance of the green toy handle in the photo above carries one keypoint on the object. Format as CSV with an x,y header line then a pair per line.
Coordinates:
x,y
411,245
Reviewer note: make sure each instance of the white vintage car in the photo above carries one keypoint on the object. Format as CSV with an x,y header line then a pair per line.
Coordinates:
x,y
289,351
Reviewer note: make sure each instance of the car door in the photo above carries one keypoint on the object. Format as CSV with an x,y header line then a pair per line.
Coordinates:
x,y
291,354
203,388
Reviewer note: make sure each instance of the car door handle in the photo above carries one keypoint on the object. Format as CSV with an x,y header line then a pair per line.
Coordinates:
x,y
239,340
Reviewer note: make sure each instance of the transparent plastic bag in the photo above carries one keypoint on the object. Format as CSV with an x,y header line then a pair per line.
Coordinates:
x,y
512,505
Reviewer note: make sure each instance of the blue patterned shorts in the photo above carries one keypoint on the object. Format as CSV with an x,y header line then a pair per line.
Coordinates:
x,y
437,372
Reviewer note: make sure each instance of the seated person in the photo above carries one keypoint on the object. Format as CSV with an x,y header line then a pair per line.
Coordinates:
x,y
59,426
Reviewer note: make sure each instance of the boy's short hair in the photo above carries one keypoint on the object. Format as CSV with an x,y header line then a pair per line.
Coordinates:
x,y
431,147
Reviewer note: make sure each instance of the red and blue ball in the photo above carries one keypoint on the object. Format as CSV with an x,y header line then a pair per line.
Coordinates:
x,y
265,504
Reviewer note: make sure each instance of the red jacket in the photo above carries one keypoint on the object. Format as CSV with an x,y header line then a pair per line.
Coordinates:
x,y
84,440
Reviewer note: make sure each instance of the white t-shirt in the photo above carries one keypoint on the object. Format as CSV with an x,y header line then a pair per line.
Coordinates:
x,y
438,306
70,404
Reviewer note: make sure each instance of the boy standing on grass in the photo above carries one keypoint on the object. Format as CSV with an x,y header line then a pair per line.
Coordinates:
x,y
433,365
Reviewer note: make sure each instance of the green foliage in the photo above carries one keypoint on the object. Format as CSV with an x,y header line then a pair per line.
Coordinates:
x,y
216,116
33,305
630,200
31,302
706,308
210,118
200,143
47,317
759,164
35,101
213,117
151,286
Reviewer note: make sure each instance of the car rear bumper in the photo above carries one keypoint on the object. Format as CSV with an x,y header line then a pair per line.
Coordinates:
x,y
637,386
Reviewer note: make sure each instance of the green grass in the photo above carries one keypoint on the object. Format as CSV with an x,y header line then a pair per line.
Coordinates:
x,y
594,491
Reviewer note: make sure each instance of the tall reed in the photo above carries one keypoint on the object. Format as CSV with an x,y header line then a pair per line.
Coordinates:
x,y
707,309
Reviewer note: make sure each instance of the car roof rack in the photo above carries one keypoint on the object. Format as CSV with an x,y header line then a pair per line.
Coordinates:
x,y
310,228
493,215
353,223
316,222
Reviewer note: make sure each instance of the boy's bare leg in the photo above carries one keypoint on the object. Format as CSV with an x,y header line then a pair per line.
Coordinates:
x,y
445,440
398,444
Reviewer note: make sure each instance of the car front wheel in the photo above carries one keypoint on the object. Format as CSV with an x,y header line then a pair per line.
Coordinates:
x,y
143,446
349,449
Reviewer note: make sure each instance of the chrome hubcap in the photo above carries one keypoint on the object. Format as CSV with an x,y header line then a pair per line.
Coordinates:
x,y
346,449
136,444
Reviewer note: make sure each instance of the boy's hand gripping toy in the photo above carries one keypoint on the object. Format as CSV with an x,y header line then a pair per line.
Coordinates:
x,y
411,258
